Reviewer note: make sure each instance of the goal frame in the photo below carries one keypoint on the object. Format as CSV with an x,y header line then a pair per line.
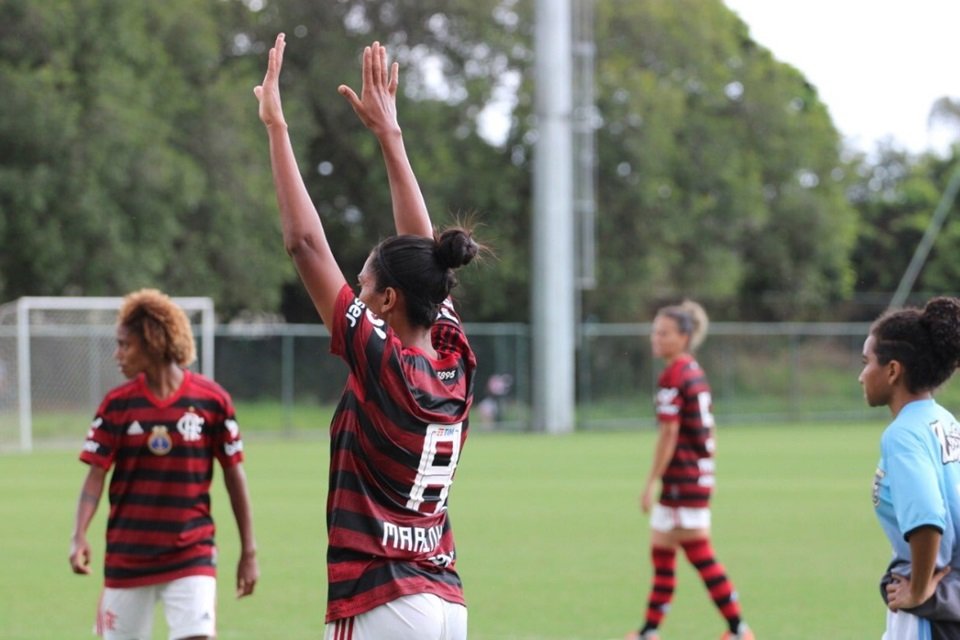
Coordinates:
x,y
25,305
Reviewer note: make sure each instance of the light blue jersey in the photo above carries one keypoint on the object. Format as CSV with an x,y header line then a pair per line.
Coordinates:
x,y
918,478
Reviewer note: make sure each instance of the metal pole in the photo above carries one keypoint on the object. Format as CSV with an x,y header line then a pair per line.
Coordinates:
x,y
23,375
926,242
552,277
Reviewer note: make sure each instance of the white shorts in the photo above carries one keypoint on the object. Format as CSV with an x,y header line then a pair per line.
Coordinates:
x,y
190,605
422,616
666,519
906,626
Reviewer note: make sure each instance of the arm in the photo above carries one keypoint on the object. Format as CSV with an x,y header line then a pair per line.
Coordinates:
x,y
248,570
86,507
907,592
377,109
662,454
303,234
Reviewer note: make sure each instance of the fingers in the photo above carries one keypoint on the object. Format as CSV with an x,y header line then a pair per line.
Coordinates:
x,y
245,588
350,95
80,563
394,78
275,60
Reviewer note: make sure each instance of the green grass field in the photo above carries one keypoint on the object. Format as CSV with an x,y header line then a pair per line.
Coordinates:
x,y
552,544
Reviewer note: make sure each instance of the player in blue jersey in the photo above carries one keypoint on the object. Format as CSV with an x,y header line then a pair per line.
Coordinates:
x,y
907,355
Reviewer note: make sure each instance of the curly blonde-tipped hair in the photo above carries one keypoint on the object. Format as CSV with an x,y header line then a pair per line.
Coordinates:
x,y
161,324
691,319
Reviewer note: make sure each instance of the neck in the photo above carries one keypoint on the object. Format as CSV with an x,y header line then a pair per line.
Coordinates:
x,y
416,337
903,398
164,379
675,357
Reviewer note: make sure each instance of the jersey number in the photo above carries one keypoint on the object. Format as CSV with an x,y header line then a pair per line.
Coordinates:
x,y
438,461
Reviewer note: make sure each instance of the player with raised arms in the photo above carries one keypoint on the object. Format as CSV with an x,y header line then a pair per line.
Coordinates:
x,y
683,465
907,355
398,431
160,432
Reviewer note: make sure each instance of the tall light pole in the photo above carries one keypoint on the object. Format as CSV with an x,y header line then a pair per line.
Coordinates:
x,y
553,263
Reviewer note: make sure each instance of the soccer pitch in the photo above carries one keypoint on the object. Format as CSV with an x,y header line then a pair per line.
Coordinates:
x,y
551,541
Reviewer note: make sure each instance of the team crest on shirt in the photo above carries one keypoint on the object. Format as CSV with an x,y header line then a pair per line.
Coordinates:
x,y
159,441
190,426
949,438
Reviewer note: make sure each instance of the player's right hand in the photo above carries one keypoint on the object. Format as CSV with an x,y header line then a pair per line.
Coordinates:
x,y
80,556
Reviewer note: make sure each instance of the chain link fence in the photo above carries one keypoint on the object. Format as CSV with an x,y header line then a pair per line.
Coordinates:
x,y
283,379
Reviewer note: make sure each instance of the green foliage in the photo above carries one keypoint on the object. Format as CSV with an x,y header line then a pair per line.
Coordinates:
x,y
897,195
130,155
716,171
124,150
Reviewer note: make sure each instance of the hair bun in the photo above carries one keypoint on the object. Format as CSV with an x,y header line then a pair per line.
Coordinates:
x,y
941,320
455,248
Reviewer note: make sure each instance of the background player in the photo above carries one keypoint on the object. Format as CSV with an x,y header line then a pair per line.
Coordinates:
x,y
160,432
907,355
397,433
683,464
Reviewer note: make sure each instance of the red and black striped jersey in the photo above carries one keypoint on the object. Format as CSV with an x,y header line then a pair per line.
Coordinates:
x,y
396,439
160,527
683,396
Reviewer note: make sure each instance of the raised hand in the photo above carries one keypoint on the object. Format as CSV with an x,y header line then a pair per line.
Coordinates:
x,y
268,93
377,104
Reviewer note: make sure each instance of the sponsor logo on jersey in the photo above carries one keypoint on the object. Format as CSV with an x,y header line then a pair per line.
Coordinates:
x,y
232,448
949,438
666,396
877,479
190,426
377,324
232,427
159,442
135,429
90,446
357,309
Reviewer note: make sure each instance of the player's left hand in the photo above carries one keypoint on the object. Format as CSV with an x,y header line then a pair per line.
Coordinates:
x,y
248,572
268,93
377,104
900,595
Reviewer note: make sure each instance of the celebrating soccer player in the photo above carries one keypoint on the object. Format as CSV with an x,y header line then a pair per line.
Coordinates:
x,y
398,431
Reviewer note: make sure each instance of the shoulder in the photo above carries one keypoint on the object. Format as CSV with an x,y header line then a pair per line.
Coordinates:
x,y
206,386
130,388
909,430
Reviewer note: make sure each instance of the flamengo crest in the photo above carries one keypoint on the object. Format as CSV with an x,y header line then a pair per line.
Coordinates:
x,y
190,426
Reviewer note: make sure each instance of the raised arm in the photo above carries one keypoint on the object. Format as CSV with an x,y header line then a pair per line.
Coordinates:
x,y
303,234
377,109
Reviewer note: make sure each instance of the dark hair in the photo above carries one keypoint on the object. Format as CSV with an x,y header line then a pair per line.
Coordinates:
x,y
926,342
422,268
691,319
161,324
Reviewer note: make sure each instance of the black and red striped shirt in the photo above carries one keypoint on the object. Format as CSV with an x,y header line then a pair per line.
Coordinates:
x,y
396,439
683,396
161,451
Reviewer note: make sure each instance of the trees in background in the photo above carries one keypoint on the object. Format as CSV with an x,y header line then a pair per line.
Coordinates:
x,y
127,157
131,155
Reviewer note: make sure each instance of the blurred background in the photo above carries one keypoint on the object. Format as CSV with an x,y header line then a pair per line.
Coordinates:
x,y
704,166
